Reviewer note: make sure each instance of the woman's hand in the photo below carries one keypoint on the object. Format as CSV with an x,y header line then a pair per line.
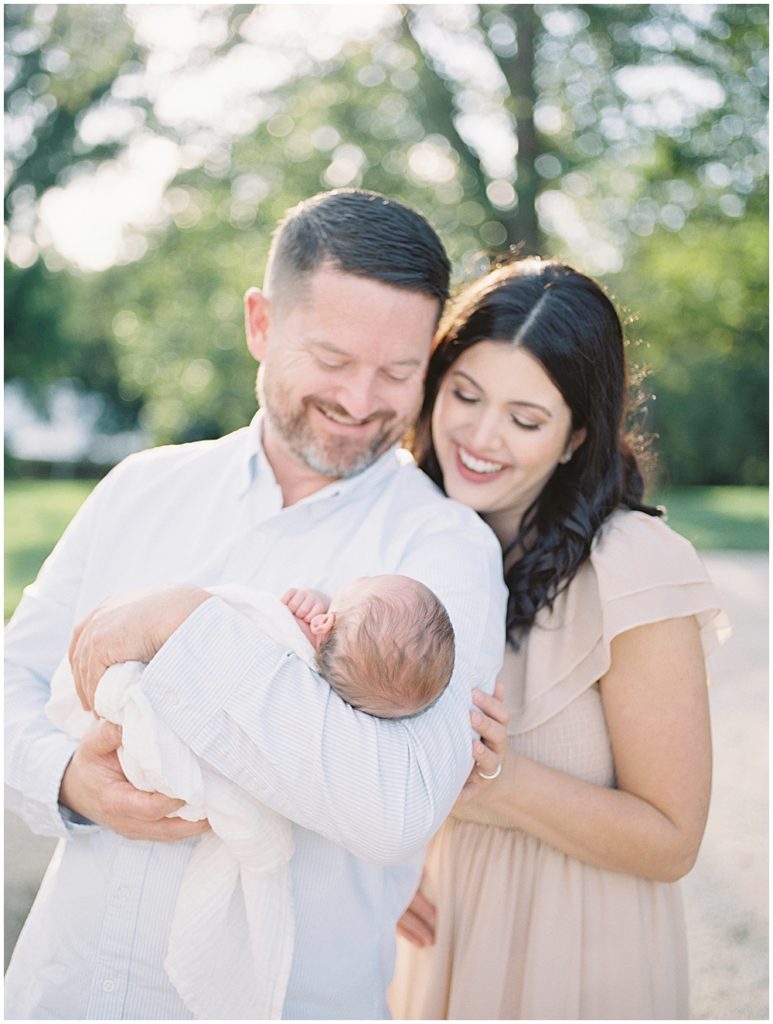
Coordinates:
x,y
128,627
490,722
417,924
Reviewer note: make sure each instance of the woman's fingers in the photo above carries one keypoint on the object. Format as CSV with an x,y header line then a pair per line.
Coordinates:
x,y
486,759
490,722
494,706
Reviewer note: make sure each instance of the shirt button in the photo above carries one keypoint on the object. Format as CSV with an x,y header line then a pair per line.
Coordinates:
x,y
108,986
123,893
171,697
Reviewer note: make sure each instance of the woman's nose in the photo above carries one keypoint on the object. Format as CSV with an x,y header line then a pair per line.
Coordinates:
x,y
485,434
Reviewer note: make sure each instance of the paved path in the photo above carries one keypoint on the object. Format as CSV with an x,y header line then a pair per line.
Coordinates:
x,y
726,895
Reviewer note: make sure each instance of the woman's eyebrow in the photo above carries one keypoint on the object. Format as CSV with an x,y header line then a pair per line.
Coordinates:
x,y
467,377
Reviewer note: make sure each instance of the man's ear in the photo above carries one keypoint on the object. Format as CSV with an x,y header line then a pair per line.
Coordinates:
x,y
321,626
256,318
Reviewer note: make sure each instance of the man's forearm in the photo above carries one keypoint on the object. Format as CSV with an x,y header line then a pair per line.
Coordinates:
x,y
36,754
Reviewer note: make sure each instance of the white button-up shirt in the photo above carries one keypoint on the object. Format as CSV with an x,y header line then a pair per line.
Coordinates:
x,y
366,794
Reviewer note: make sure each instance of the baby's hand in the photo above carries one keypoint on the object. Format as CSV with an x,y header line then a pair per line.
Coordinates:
x,y
305,604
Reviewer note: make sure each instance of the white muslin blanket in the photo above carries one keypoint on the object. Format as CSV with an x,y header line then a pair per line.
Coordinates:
x,y
231,942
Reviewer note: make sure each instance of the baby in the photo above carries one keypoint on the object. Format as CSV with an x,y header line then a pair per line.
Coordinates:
x,y
384,643
386,646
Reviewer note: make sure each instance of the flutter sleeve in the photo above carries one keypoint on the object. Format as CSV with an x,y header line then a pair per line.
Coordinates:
x,y
639,571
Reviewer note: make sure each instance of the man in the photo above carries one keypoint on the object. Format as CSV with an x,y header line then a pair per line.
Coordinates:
x,y
313,491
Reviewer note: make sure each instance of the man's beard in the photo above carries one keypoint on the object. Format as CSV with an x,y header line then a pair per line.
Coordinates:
x,y
335,457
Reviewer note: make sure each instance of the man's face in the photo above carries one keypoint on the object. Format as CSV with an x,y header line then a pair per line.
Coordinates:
x,y
342,371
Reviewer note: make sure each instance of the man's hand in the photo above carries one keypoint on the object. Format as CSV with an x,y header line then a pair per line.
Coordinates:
x,y
128,627
418,922
94,786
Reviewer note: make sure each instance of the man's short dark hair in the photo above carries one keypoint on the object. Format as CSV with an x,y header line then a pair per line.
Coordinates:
x,y
362,233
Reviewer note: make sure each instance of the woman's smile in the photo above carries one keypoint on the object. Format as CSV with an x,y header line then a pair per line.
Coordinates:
x,y
475,468
500,426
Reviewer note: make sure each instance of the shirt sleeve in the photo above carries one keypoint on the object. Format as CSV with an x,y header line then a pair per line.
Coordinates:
x,y
257,714
36,751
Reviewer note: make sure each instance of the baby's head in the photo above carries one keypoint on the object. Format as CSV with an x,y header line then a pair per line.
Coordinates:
x,y
386,645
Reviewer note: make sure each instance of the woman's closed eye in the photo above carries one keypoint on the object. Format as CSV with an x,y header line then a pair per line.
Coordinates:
x,y
465,396
470,399
524,424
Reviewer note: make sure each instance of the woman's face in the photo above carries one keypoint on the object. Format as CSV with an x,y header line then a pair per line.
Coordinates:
x,y
500,426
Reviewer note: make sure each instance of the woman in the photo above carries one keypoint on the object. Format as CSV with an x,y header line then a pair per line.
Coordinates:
x,y
549,892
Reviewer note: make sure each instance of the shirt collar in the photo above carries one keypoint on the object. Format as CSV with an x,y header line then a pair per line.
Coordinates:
x,y
253,462
255,465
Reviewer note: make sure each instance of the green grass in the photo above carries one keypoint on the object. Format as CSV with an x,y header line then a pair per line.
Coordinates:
x,y
719,518
37,511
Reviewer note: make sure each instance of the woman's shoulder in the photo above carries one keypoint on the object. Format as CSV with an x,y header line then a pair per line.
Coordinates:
x,y
633,551
645,572
640,571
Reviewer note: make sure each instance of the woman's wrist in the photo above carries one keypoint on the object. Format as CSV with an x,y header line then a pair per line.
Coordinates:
x,y
499,791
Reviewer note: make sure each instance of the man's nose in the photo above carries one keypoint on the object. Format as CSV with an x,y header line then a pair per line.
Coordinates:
x,y
359,395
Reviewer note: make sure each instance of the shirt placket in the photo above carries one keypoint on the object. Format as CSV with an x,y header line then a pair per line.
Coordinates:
x,y
111,977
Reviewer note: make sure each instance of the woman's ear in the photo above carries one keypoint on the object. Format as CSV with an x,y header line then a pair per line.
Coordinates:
x,y
256,318
576,438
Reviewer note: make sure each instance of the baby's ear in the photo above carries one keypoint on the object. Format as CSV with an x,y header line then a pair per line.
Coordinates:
x,y
321,626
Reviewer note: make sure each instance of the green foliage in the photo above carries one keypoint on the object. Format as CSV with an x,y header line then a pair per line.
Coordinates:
x,y
61,63
703,300
627,138
54,332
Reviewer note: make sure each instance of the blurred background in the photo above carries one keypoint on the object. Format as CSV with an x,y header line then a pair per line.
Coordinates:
x,y
151,149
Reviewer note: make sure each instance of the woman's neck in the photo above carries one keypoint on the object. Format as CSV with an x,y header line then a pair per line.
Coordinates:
x,y
505,525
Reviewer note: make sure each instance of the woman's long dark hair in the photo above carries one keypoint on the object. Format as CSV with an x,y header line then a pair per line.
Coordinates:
x,y
565,320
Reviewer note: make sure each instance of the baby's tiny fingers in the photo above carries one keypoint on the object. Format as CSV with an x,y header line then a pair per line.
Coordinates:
x,y
312,607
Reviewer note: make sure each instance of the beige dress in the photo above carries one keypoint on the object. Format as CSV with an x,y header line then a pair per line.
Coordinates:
x,y
524,931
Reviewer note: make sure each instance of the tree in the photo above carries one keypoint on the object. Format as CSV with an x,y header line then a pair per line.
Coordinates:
x,y
617,136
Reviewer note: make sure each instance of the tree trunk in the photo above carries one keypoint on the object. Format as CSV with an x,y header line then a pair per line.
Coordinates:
x,y
523,228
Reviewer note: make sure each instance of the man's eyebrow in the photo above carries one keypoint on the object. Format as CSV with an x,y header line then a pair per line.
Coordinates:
x,y
335,351
517,402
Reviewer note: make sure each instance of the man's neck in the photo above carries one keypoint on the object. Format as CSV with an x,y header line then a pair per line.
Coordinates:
x,y
296,480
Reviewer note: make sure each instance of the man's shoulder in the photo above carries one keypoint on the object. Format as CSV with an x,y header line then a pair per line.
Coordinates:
x,y
411,489
173,457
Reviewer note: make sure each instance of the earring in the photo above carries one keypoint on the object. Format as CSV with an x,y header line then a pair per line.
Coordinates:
x,y
566,457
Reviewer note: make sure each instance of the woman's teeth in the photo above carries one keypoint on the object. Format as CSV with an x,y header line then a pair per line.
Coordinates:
x,y
478,465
